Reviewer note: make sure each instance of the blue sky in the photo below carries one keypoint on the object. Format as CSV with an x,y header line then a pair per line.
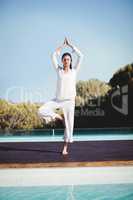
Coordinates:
x,y
31,30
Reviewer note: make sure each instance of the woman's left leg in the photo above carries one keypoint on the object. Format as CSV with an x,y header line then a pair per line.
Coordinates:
x,y
68,110
70,119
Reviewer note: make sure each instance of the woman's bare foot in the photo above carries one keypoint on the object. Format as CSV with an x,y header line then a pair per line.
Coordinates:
x,y
65,152
48,120
59,117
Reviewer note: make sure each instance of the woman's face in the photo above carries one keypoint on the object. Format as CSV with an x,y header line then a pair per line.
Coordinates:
x,y
66,61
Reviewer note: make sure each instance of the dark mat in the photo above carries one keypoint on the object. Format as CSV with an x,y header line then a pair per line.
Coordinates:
x,y
46,152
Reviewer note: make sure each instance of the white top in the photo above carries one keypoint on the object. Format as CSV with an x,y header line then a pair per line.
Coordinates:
x,y
66,81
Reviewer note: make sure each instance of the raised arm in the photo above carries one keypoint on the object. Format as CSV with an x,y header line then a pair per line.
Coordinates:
x,y
54,55
78,53
79,57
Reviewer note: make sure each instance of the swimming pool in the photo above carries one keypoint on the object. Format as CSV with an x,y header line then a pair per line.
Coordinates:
x,y
82,183
79,135
110,192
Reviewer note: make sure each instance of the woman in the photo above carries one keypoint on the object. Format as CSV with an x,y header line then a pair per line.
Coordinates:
x,y
65,91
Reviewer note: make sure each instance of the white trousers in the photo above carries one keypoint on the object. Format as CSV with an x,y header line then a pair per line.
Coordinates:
x,y
68,107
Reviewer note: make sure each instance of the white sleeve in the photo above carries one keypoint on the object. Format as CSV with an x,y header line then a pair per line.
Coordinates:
x,y
54,60
79,57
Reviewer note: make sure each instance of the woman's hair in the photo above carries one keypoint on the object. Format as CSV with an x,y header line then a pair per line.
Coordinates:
x,y
67,54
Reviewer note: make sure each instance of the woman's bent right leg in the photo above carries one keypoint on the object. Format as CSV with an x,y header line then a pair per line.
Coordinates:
x,y
46,111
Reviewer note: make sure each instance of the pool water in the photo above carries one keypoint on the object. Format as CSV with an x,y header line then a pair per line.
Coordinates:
x,y
78,192
57,135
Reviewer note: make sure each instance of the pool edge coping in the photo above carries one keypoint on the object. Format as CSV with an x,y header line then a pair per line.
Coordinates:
x,y
67,164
